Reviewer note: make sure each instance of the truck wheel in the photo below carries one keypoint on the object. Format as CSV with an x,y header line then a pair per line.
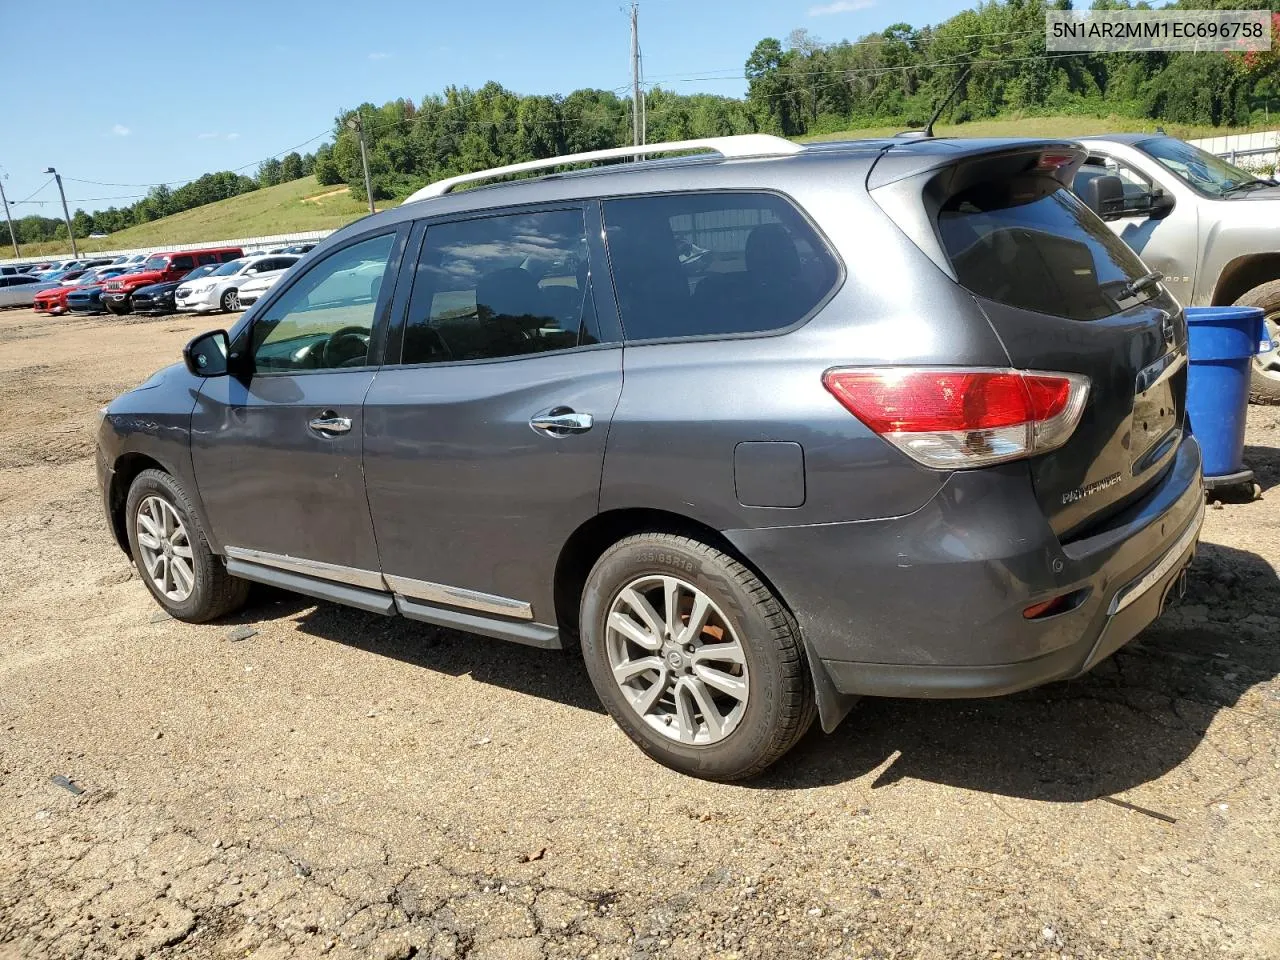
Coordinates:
x,y
1264,383
696,659
171,553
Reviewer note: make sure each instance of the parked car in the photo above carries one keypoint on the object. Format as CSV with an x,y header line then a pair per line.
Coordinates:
x,y
220,290
253,290
20,291
920,433
55,301
7,271
86,298
158,297
300,248
161,268
1208,226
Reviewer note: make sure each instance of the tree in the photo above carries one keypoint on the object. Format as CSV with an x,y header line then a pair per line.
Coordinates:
x,y
291,168
325,167
269,172
82,224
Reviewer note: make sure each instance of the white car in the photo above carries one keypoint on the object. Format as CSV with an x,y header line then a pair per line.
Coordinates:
x,y
20,291
220,290
254,290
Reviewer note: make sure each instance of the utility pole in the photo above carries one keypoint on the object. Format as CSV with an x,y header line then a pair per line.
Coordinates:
x,y
13,237
65,214
637,98
356,123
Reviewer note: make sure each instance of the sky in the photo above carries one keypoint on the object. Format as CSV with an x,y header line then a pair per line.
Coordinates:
x,y
166,93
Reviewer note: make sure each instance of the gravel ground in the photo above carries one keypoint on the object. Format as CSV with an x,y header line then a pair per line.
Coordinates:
x,y
338,784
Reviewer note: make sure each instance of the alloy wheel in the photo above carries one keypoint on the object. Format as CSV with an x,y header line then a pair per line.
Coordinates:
x,y
165,547
677,659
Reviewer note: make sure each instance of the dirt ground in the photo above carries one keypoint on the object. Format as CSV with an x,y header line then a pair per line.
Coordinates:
x,y
344,785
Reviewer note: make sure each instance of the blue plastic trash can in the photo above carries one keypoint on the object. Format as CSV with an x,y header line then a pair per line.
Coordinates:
x,y
1222,344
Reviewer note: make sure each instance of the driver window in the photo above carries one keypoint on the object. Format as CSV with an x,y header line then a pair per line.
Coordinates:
x,y
323,321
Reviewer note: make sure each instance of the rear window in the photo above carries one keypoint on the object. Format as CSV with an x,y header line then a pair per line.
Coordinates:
x,y
708,264
1029,243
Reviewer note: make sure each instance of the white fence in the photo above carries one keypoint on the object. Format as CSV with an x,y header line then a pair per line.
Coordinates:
x,y
1249,151
248,244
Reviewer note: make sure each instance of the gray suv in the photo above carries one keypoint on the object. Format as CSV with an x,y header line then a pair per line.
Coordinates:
x,y
760,432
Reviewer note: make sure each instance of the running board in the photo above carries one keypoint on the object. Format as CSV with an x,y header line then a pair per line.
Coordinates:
x,y
376,601
372,600
531,634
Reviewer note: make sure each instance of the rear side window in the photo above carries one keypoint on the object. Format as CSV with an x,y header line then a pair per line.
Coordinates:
x,y
1029,243
228,255
707,264
502,286
203,258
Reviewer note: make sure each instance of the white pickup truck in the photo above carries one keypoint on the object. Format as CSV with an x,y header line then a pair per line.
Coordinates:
x,y
1212,229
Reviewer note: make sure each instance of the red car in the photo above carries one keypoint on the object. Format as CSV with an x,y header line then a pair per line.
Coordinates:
x,y
54,300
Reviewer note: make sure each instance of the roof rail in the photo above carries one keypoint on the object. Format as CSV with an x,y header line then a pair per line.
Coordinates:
x,y
744,145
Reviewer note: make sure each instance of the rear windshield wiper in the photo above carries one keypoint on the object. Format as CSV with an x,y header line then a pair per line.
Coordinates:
x,y
1135,287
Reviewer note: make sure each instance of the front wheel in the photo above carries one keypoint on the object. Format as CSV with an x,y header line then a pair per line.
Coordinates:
x,y
172,555
1264,381
121,308
696,659
231,301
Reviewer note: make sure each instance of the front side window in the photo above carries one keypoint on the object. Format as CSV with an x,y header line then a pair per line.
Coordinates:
x,y
203,258
708,264
501,286
184,263
324,320
1029,243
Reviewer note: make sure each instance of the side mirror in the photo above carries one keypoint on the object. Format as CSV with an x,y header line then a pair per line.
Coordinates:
x,y
1104,195
1161,204
206,355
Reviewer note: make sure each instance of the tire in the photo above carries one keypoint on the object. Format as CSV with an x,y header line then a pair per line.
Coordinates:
x,y
231,301
212,591
743,616
1264,384
122,309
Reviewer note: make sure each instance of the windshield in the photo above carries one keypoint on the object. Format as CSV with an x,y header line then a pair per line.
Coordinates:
x,y
227,269
1201,170
157,263
198,272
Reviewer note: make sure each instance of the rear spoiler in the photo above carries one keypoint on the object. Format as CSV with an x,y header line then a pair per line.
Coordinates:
x,y
912,181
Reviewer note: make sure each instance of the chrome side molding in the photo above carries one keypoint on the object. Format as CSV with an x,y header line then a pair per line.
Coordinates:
x,y
369,579
459,597
423,590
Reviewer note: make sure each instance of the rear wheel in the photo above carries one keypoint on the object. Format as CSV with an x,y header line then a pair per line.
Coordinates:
x,y
1264,382
172,555
696,659
231,301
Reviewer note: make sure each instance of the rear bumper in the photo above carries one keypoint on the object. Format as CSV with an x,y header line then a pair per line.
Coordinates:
x,y
930,605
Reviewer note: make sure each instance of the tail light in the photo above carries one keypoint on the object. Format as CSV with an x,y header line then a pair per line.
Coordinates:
x,y
954,419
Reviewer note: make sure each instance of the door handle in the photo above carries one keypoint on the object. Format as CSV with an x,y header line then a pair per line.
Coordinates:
x,y
561,421
330,423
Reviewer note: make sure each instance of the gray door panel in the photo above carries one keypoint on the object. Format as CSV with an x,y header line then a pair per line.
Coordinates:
x,y
464,492
272,483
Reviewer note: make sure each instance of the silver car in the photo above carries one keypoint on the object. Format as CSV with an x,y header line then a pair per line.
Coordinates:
x,y
20,291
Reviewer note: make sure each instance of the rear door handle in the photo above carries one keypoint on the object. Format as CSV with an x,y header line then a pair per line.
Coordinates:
x,y
330,423
561,421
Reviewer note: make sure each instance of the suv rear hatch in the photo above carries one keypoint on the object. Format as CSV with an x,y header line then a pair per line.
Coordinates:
x,y
1056,285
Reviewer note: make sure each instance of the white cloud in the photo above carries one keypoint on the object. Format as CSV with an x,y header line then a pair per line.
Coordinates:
x,y
379,55
120,130
233,136
840,6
